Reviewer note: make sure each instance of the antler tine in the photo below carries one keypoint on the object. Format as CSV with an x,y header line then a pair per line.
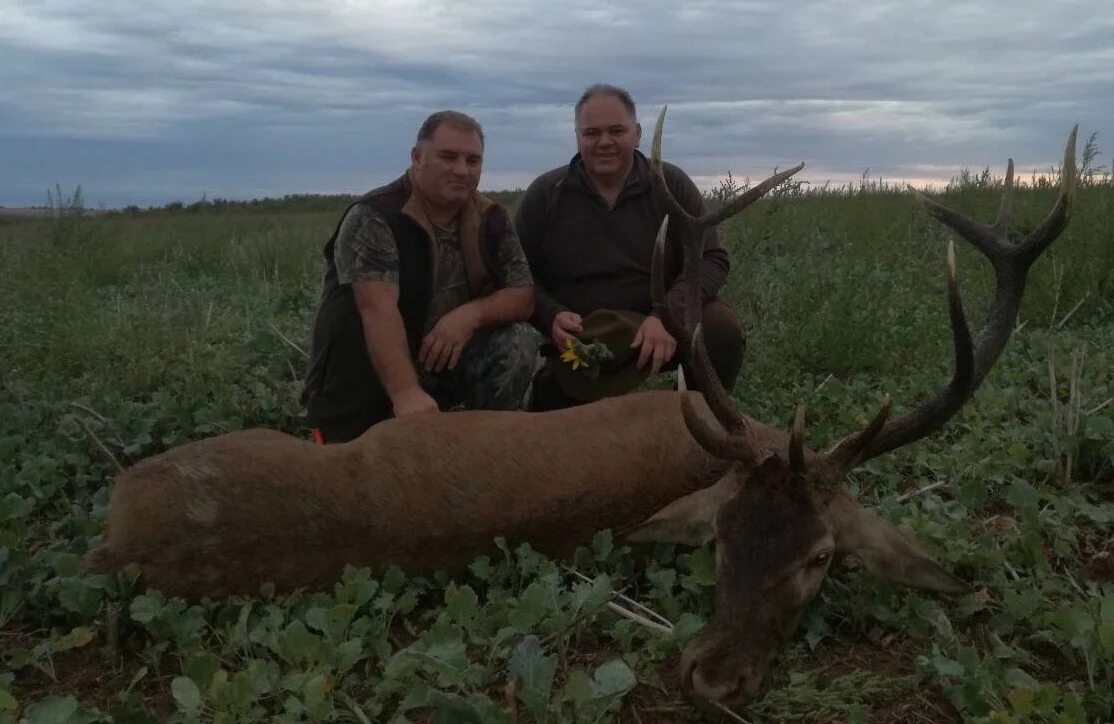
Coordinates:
x,y
678,330
846,453
718,398
1057,220
718,216
1005,204
797,443
1011,263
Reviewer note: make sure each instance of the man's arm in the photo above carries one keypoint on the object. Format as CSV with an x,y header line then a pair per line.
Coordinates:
x,y
714,264
530,223
366,256
385,335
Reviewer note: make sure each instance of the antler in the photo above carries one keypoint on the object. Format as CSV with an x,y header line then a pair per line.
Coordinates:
x,y
1011,264
728,442
694,227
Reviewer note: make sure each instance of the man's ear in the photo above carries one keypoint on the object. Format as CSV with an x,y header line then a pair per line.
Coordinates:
x,y
686,521
887,552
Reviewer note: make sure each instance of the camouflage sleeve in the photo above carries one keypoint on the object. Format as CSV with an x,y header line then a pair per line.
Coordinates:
x,y
510,261
365,248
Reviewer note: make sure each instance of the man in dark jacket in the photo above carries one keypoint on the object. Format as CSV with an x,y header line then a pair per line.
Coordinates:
x,y
588,230
427,296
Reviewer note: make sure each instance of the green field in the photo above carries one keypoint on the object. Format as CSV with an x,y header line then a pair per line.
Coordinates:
x,y
125,334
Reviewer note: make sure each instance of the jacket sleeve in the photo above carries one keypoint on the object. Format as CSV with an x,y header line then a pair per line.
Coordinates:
x,y
715,263
530,222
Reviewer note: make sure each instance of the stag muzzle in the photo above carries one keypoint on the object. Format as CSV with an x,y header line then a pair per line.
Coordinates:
x,y
712,680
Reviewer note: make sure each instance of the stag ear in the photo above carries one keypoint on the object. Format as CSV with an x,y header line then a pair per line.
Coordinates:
x,y
886,551
688,521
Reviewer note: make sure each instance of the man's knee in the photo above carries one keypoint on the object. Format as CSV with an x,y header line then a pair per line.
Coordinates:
x,y
722,327
514,346
725,340
502,366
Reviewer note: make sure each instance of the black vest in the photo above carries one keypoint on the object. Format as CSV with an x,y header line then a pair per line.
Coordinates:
x,y
341,380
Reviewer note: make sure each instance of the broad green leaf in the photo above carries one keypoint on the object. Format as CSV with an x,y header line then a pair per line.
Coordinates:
x,y
53,710
613,678
186,693
534,670
1017,678
67,564
1023,496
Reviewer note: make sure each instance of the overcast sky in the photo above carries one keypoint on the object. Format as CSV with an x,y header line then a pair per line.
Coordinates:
x,y
152,102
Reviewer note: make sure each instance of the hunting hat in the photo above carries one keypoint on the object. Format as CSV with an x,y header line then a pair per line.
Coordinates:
x,y
604,364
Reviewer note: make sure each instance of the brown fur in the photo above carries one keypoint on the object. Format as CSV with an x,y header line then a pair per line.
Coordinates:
x,y
224,515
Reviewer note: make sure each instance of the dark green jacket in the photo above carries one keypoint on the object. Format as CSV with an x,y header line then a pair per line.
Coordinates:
x,y
585,256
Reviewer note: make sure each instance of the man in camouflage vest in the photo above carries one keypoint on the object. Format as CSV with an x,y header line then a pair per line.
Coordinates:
x,y
427,296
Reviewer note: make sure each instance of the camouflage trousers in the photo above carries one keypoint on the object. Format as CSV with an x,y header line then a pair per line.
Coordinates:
x,y
495,371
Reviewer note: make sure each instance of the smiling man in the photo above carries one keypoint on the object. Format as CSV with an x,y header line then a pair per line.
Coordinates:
x,y
427,296
588,230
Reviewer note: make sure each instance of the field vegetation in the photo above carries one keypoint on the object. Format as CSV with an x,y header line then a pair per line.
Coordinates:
x,y
124,334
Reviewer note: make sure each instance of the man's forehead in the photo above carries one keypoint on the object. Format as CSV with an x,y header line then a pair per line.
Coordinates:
x,y
604,111
450,138
606,123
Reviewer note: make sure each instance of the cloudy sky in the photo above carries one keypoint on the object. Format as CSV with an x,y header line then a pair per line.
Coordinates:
x,y
152,102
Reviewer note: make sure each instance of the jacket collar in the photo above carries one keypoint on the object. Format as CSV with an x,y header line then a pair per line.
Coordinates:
x,y
637,181
468,220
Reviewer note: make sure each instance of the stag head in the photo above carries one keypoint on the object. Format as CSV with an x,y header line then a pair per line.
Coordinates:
x,y
782,514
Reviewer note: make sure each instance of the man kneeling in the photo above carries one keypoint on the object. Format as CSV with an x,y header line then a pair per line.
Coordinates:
x,y
427,296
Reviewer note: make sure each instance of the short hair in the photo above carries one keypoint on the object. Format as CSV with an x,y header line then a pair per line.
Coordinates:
x,y
456,119
599,89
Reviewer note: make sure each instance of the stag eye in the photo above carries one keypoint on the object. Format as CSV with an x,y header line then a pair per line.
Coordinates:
x,y
822,559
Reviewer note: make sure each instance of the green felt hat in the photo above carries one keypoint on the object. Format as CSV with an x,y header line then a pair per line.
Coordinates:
x,y
604,364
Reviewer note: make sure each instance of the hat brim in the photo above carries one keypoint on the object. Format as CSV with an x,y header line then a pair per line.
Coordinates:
x,y
617,377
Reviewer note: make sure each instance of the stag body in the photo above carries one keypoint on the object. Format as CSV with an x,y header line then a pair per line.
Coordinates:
x,y
226,514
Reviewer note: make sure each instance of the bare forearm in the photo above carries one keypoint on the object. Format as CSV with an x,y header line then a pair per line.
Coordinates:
x,y
387,347
505,306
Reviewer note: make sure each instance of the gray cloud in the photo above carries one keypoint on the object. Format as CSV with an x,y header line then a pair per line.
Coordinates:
x,y
146,104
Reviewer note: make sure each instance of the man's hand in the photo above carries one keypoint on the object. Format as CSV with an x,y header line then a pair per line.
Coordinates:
x,y
656,343
443,345
413,401
564,325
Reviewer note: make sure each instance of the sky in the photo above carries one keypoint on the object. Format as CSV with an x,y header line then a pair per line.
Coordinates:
x,y
147,103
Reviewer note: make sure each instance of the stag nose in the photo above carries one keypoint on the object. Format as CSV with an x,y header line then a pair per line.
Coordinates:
x,y
696,684
707,687
722,691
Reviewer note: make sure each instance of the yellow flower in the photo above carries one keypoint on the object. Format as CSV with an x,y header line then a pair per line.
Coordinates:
x,y
570,355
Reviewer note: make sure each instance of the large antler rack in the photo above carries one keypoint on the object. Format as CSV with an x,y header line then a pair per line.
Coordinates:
x,y
1011,262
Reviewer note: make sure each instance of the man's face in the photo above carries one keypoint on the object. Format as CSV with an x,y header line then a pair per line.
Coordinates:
x,y
606,136
447,167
